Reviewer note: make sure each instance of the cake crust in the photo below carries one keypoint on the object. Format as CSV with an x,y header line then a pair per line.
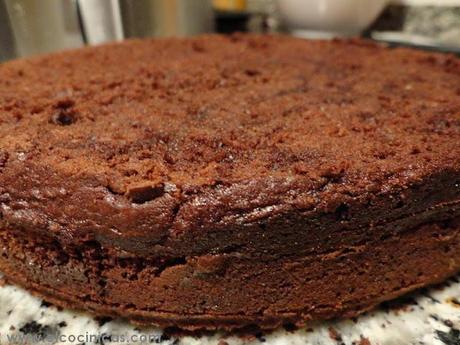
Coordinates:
x,y
153,179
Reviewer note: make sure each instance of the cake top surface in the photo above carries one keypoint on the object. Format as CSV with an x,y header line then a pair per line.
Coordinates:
x,y
220,109
175,116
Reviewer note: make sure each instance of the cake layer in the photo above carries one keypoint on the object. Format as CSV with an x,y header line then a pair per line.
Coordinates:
x,y
227,181
228,291
200,135
223,137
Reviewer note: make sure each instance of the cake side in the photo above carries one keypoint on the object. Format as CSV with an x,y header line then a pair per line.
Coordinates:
x,y
229,291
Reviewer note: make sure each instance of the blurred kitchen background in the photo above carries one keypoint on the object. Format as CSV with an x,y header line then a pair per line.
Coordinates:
x,y
29,27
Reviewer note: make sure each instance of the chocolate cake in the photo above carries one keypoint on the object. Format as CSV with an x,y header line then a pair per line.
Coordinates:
x,y
226,182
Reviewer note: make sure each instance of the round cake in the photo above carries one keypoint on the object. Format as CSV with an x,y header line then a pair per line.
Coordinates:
x,y
223,182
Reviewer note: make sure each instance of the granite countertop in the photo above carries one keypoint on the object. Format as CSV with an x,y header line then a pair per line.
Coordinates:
x,y
430,316
431,27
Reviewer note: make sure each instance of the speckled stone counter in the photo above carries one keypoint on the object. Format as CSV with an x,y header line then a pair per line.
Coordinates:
x,y
431,27
430,316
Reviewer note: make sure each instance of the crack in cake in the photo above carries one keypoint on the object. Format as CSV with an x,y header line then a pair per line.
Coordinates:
x,y
222,182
